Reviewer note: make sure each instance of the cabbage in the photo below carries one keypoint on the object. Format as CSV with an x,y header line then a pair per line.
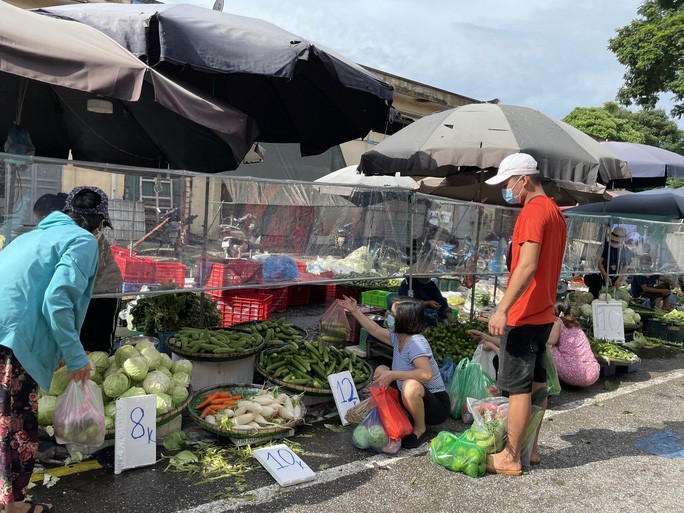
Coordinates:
x,y
135,368
112,369
586,311
144,345
133,392
178,394
156,382
110,409
116,384
60,380
182,366
109,422
604,296
46,410
575,311
360,437
165,361
623,294
377,437
624,304
164,404
124,353
175,441
99,360
96,377
637,317
152,356
181,378
629,312
164,370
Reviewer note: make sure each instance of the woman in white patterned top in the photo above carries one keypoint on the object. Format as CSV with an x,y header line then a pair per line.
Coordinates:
x,y
414,369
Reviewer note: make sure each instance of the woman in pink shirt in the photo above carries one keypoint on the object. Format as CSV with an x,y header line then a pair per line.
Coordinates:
x,y
570,348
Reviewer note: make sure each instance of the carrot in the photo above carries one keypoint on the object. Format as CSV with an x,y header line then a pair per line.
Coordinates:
x,y
211,397
222,404
208,411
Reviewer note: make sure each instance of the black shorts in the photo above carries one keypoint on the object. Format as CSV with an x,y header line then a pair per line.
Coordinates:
x,y
522,357
437,406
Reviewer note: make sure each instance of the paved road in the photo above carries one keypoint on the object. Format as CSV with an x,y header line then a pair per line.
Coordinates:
x,y
587,445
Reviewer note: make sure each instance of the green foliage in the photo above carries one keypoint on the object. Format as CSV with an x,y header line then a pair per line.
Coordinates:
x,y
171,312
651,48
675,183
600,122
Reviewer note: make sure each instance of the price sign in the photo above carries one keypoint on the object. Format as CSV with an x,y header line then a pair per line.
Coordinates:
x,y
284,466
344,393
135,442
608,321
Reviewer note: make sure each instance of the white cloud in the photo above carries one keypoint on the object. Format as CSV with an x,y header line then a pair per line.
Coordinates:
x,y
551,56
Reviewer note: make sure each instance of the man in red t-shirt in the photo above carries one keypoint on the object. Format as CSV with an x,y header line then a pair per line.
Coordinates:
x,y
526,313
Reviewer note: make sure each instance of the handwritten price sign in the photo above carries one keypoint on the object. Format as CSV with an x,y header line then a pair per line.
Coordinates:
x,y
135,438
284,466
608,321
344,393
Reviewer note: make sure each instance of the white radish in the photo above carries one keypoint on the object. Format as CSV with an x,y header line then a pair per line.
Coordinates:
x,y
286,413
241,420
282,398
268,411
253,425
254,407
260,420
264,400
211,419
297,411
244,404
239,411
288,403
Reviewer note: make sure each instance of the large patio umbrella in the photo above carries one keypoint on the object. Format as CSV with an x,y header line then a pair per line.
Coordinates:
x,y
479,136
647,161
655,204
75,90
366,190
295,90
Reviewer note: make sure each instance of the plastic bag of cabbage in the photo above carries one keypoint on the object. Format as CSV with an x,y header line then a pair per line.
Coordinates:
x,y
131,371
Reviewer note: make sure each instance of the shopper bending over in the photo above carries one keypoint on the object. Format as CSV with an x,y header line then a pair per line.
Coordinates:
x,y
414,369
47,282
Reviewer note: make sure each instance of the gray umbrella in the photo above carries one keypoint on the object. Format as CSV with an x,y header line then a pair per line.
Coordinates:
x,y
480,135
78,91
296,91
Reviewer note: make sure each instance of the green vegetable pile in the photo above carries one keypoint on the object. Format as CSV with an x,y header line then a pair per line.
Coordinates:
x,y
170,312
274,332
453,340
310,363
674,317
198,340
602,347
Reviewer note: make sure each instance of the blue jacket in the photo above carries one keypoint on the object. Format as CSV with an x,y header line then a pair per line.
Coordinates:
x,y
47,281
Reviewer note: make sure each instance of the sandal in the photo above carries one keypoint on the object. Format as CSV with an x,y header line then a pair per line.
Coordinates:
x,y
46,508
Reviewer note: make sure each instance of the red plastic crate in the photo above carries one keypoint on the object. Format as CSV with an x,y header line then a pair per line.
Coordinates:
x,y
245,307
136,269
298,295
118,250
279,302
237,271
171,271
301,266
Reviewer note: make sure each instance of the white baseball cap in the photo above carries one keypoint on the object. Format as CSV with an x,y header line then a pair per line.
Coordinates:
x,y
514,165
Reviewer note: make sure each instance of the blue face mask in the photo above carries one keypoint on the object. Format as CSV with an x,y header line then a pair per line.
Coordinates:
x,y
390,322
509,197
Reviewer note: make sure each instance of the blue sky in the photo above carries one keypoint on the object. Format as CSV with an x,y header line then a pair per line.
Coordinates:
x,y
549,55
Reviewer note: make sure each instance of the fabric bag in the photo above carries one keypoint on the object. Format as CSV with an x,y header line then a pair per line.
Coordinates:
x,y
79,415
334,326
552,381
393,416
486,360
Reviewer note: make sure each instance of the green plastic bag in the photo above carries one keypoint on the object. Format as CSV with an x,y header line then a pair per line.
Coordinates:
x,y
536,416
552,381
457,454
473,382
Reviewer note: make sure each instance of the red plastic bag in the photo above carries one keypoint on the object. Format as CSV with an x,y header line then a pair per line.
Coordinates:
x,y
394,418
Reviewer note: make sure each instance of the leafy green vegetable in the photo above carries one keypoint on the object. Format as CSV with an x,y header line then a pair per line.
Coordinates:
x,y
46,410
182,366
116,384
60,380
99,360
175,440
136,368
156,382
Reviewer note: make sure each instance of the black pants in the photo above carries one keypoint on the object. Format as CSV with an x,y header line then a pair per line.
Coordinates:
x,y
594,282
97,332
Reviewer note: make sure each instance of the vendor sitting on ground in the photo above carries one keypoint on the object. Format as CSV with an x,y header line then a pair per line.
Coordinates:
x,y
655,288
414,369
436,307
569,347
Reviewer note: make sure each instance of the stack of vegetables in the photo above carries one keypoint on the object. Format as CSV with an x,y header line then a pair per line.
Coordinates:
x,y
580,304
248,410
198,340
274,332
673,317
453,340
131,371
309,364
608,350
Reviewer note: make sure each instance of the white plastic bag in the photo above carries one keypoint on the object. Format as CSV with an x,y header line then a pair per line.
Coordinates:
x,y
486,360
79,416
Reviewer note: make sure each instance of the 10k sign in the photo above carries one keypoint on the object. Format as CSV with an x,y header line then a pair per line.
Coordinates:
x,y
344,393
136,427
608,321
284,465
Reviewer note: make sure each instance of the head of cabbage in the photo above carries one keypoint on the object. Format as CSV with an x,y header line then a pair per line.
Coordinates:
x,y
124,353
182,366
165,361
181,378
152,356
135,368
60,380
116,384
156,382
99,360
178,394
46,410
164,404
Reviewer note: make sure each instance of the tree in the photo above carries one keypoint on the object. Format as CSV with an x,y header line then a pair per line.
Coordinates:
x,y
611,122
652,49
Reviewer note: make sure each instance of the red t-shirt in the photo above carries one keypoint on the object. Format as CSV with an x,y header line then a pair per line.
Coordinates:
x,y
539,221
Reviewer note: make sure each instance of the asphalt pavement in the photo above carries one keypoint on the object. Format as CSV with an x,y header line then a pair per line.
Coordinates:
x,y
588,446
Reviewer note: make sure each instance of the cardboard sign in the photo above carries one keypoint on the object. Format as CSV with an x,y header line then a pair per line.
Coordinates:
x,y
344,393
608,321
284,465
136,427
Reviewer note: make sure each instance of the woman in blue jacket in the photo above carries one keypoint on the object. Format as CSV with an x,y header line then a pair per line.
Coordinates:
x,y
47,281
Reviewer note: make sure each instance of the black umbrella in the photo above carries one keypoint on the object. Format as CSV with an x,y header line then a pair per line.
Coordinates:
x,y
296,91
72,89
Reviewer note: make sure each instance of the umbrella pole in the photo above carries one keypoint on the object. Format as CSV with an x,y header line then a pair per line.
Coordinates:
x,y
412,211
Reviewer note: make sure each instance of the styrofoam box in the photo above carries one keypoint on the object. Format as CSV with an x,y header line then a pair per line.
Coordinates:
x,y
206,374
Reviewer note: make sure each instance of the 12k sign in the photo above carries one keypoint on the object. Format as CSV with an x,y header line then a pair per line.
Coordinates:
x,y
344,393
